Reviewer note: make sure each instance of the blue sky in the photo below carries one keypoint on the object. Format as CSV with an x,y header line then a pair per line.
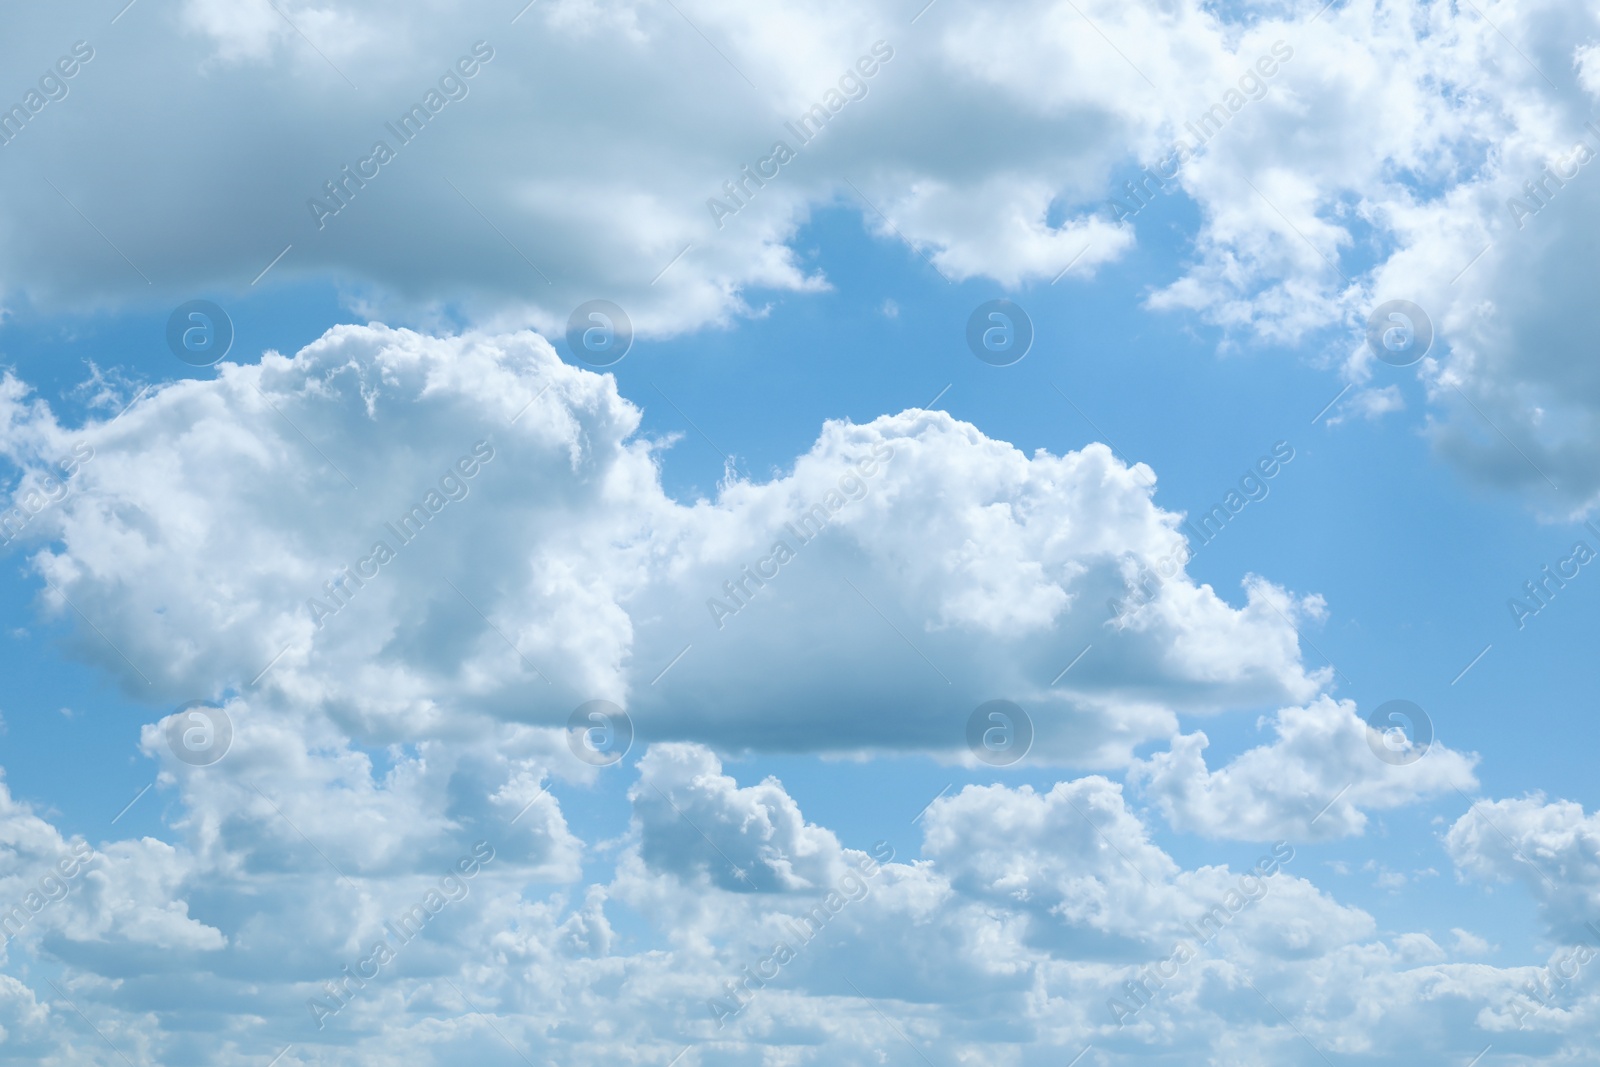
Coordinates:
x,y
1427,899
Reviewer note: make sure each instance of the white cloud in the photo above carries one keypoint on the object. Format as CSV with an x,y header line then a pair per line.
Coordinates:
x,y
1315,781
286,773
1468,943
1377,160
952,568
415,722
698,93
1038,905
1369,404
1549,847
694,821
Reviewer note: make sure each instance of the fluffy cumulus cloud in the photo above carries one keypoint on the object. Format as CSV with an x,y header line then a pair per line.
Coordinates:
x,y
1339,157
1311,783
396,561
479,530
384,865
1549,849
757,838
1436,154
514,205
290,863
1548,846
39,865
1035,923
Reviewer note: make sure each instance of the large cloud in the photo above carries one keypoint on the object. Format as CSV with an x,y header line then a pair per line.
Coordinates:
x,y
951,568
515,200
1352,155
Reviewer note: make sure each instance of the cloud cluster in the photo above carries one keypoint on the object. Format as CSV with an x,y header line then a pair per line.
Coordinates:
x,y
1038,908
374,747
924,567
1311,783
1406,150
398,559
